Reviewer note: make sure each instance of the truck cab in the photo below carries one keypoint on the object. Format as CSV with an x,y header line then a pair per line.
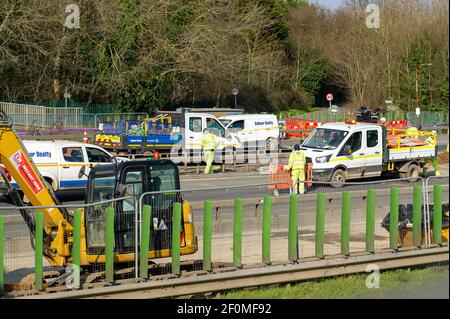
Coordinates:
x,y
340,151
196,123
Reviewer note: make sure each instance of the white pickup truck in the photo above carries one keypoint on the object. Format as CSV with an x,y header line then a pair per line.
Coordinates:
x,y
60,161
343,151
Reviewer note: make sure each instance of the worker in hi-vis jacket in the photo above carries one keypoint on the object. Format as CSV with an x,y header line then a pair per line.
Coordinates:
x,y
432,142
209,144
296,165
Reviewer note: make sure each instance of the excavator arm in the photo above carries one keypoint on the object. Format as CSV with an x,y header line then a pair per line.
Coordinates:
x,y
14,156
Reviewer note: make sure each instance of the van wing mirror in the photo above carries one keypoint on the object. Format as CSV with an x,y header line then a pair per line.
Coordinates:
x,y
82,172
347,150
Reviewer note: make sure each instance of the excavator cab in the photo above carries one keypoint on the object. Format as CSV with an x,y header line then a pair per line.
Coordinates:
x,y
132,179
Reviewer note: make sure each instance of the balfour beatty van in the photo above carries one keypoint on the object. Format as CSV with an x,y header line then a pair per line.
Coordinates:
x,y
254,130
60,161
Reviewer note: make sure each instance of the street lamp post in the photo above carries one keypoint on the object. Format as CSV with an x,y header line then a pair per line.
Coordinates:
x,y
417,81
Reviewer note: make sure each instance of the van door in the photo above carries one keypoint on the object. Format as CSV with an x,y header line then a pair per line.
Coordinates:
x,y
193,131
72,158
354,161
373,152
226,141
237,128
96,156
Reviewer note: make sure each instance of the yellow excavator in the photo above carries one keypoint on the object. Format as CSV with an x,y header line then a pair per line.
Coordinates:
x,y
105,182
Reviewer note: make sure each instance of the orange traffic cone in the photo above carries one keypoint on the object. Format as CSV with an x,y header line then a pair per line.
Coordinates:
x,y
85,138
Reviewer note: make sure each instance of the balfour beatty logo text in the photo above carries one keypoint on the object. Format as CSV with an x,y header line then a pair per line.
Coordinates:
x,y
264,123
40,154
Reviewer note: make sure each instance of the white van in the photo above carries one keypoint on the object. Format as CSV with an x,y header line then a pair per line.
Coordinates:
x,y
60,161
195,123
254,130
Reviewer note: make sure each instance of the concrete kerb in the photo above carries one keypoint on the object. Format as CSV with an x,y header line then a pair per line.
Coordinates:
x,y
319,268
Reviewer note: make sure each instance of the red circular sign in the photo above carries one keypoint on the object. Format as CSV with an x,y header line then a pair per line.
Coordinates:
x,y
330,97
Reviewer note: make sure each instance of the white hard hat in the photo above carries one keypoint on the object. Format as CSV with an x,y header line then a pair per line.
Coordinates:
x,y
383,119
433,132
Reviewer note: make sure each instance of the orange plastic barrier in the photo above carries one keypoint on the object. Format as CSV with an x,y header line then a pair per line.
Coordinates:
x,y
400,124
281,179
303,125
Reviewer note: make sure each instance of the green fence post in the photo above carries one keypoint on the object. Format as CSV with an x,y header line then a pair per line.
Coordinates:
x,y
109,245
176,230
237,232
345,223
267,225
320,224
417,216
145,241
207,235
38,250
76,248
393,218
370,221
437,214
293,228
2,254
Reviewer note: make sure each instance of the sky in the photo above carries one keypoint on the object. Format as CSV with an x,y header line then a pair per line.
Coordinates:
x,y
329,4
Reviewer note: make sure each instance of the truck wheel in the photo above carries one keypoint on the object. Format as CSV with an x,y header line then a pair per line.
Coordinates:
x,y
412,172
228,154
270,144
338,178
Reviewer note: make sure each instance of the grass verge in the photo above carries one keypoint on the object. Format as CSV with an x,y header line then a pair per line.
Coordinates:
x,y
395,283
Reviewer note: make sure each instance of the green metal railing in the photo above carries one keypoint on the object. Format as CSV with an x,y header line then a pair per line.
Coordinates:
x,y
237,240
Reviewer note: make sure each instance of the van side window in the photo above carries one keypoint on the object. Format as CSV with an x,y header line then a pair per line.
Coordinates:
x,y
372,138
236,126
354,142
215,126
195,124
97,156
73,154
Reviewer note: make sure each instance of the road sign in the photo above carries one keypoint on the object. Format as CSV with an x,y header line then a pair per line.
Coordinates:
x,y
330,97
334,109
235,91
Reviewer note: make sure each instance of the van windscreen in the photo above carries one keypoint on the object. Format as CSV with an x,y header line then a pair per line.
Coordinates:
x,y
325,139
225,122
